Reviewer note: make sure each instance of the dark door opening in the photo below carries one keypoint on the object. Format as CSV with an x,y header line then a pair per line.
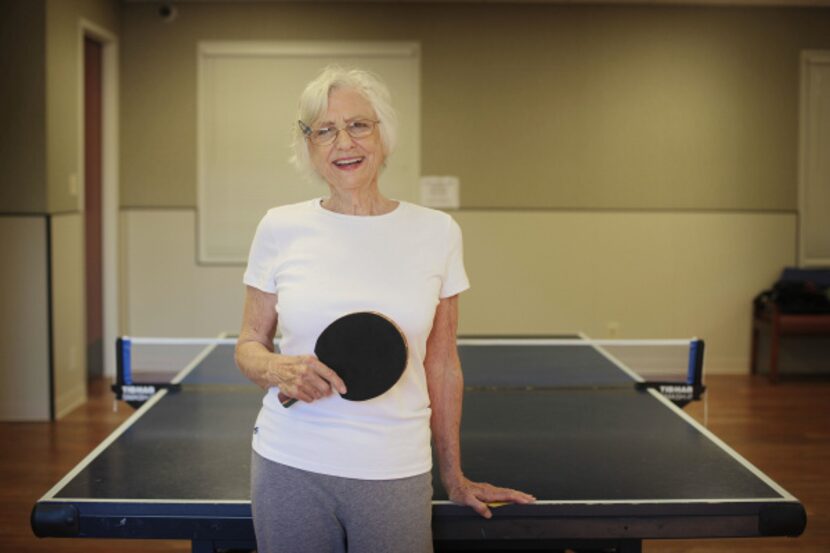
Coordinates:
x,y
93,67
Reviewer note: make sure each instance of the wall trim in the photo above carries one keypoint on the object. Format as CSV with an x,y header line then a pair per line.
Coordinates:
x,y
50,318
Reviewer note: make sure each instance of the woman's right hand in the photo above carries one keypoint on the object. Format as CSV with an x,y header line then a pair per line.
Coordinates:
x,y
303,377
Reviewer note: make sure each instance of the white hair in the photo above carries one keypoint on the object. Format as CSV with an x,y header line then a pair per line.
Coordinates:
x,y
314,102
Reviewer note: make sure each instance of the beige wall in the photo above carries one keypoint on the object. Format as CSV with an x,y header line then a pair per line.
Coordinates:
x,y
547,114
64,54
22,107
41,151
530,105
627,167
40,100
64,111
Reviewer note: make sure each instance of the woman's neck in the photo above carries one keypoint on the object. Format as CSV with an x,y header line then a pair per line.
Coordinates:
x,y
358,202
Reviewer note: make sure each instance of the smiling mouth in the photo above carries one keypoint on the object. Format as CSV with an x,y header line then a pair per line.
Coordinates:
x,y
348,163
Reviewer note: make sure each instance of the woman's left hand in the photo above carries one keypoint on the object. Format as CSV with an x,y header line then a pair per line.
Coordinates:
x,y
479,495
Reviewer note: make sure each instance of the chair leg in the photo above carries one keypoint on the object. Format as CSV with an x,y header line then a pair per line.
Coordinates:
x,y
774,342
753,345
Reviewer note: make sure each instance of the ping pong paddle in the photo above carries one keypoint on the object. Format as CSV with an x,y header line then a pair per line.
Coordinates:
x,y
366,350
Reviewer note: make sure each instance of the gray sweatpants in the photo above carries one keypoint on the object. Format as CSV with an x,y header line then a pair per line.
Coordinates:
x,y
297,511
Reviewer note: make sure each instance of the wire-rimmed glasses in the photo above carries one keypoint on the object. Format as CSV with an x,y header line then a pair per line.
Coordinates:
x,y
323,136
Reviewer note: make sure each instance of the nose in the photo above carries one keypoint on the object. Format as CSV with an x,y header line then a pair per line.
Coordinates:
x,y
343,140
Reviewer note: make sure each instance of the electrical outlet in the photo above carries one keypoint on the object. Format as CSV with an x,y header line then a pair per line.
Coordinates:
x,y
613,329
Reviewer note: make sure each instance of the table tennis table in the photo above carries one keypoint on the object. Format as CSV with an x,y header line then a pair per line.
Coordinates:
x,y
611,462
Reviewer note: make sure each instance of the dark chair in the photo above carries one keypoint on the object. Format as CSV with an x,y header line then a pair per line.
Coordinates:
x,y
782,324
797,305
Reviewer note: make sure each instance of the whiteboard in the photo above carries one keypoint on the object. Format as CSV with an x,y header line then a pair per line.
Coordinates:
x,y
247,104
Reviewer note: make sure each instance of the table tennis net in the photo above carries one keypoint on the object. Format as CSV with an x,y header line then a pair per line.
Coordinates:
x,y
674,367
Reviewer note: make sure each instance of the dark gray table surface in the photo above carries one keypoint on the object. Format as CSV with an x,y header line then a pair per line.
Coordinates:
x,y
607,461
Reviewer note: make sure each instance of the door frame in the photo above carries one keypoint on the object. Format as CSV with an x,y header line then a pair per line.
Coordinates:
x,y
109,177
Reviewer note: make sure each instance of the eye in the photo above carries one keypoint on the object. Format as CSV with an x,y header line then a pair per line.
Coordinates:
x,y
323,132
361,125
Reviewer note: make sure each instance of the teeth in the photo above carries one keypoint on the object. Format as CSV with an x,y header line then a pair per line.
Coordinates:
x,y
342,162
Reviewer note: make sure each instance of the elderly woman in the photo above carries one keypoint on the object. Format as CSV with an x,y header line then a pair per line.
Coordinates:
x,y
330,475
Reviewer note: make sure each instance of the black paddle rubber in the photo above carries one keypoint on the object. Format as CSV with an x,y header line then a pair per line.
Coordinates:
x,y
366,350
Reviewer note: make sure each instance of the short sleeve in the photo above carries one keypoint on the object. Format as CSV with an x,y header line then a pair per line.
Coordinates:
x,y
262,258
455,278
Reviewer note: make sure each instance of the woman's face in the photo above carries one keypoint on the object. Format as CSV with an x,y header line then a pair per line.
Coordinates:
x,y
347,163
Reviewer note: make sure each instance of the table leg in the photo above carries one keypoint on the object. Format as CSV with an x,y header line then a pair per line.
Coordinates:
x,y
210,546
202,546
630,546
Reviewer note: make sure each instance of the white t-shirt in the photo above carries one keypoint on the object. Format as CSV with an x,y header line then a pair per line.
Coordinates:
x,y
323,265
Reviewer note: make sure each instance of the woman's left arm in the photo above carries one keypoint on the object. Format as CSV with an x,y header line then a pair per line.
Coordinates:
x,y
446,391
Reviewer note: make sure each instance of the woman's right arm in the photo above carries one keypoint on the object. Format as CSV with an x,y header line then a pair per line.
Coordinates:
x,y
302,377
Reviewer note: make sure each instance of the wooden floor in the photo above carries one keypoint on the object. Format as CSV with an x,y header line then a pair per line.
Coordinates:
x,y
782,429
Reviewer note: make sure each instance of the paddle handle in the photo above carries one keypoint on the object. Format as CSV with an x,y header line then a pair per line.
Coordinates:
x,y
286,401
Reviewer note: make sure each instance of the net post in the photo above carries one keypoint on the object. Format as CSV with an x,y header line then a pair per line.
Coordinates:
x,y
123,376
695,369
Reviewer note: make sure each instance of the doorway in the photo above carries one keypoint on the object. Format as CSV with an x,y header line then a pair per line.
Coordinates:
x,y
99,167
93,149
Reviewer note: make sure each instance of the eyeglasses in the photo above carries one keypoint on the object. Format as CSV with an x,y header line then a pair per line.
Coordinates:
x,y
323,136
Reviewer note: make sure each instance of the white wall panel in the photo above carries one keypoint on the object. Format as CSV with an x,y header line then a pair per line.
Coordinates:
x,y
24,319
166,292
625,274
69,312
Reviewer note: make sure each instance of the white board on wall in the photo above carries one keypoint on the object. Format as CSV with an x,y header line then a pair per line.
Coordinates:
x,y
247,96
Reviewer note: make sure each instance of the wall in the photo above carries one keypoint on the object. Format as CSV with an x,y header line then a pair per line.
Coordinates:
x,y
623,274
644,275
22,103
64,54
532,105
627,170
165,292
40,154
68,312
65,181
24,319
24,323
